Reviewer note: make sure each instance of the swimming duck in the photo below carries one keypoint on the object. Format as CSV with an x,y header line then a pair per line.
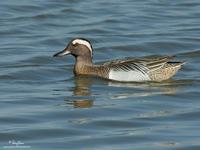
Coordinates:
x,y
150,68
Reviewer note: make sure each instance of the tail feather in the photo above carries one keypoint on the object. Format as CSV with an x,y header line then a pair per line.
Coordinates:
x,y
174,64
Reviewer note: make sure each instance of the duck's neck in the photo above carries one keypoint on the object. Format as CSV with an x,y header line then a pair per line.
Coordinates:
x,y
83,65
84,60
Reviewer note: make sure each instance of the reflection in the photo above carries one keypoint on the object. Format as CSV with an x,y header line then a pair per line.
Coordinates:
x,y
82,86
119,90
83,103
169,87
82,93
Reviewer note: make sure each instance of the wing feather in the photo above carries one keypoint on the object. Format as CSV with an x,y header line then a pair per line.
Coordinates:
x,y
141,64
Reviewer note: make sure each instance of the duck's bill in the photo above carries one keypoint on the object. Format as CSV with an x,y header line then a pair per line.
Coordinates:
x,y
62,53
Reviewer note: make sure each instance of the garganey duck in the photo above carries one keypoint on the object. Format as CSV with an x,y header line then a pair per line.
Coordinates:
x,y
151,68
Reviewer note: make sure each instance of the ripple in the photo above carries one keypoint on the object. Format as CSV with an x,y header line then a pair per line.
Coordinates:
x,y
192,53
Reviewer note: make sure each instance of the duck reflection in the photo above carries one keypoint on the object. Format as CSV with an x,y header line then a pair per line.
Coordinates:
x,y
145,89
84,103
82,92
82,86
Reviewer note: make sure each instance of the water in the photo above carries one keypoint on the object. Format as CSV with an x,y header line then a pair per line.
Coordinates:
x,y
43,106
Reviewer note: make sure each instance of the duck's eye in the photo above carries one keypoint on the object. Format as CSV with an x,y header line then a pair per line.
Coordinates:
x,y
75,45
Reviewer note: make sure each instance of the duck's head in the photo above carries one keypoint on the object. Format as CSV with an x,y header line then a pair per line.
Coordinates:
x,y
77,47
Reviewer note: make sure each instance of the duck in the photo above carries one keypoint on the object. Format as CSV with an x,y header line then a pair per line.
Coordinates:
x,y
131,69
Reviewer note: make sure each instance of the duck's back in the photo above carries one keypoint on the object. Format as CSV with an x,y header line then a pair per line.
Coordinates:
x,y
157,68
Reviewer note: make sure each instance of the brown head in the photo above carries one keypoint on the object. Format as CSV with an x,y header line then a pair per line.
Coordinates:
x,y
80,48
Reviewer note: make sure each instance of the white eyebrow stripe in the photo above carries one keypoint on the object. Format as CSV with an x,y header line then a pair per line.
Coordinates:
x,y
86,43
